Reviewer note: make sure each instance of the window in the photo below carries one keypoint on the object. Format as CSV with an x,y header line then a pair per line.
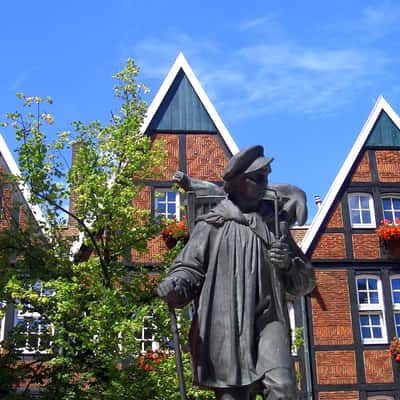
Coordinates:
x,y
380,397
34,331
371,309
2,319
391,208
167,204
395,287
147,340
361,208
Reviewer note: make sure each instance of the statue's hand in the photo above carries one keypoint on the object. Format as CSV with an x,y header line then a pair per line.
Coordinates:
x,y
279,255
174,291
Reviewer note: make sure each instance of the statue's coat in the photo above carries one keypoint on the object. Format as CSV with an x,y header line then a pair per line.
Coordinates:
x,y
241,328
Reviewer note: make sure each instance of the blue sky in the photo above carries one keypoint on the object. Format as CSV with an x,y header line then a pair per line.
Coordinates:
x,y
299,78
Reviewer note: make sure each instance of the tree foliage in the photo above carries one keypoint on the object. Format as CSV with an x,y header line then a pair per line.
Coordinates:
x,y
89,311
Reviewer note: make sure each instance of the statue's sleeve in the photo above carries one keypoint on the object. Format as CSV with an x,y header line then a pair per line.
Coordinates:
x,y
190,266
300,279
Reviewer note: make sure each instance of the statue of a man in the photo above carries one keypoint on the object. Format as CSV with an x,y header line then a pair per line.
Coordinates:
x,y
240,273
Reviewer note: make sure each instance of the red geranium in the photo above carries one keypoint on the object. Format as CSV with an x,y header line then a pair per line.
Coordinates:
x,y
395,348
389,230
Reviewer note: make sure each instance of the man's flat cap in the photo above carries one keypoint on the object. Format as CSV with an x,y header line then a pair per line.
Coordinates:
x,y
246,161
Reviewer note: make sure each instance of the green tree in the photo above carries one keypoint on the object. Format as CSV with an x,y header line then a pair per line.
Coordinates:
x,y
93,312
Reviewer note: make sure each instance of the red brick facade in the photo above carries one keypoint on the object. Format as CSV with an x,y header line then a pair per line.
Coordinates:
x,y
362,173
378,366
330,246
331,309
336,367
388,165
366,246
338,395
205,157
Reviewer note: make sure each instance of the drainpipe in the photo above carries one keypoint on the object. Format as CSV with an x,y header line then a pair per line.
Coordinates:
x,y
306,350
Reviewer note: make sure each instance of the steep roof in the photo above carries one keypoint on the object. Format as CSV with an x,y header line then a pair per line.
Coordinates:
x,y
181,104
13,169
382,129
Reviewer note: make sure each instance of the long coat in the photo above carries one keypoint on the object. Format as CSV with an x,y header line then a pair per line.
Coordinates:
x,y
241,327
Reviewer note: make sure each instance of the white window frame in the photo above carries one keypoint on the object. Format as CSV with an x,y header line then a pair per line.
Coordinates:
x,y
388,196
292,324
32,316
147,325
2,322
177,203
396,306
372,309
371,209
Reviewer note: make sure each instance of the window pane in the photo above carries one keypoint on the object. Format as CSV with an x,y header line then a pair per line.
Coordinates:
x,y
171,208
171,196
364,200
354,202
366,333
355,217
364,320
362,284
366,217
362,298
386,203
397,323
373,284
395,284
396,297
375,320
377,333
373,298
396,203
387,215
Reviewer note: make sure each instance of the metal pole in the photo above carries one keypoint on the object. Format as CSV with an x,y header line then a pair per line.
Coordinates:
x,y
178,356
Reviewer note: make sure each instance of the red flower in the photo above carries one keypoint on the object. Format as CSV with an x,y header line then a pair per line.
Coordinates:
x,y
388,230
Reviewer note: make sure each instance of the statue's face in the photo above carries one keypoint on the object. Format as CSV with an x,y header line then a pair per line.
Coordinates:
x,y
253,186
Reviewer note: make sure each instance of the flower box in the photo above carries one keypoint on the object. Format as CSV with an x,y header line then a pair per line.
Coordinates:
x,y
174,231
395,348
389,237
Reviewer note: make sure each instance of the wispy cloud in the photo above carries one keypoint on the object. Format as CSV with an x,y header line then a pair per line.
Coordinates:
x,y
257,23
273,74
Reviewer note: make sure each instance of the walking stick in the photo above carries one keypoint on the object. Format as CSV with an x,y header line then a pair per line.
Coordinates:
x,y
178,356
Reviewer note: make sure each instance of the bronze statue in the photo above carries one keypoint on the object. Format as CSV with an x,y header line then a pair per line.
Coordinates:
x,y
239,269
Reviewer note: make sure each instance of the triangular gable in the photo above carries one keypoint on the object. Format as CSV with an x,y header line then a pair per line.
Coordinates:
x,y
14,170
182,110
181,85
385,133
380,109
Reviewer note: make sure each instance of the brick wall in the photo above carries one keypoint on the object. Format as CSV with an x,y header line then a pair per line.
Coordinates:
x,y
5,216
366,246
378,366
362,172
338,395
330,305
205,157
388,165
330,246
336,219
336,367
172,148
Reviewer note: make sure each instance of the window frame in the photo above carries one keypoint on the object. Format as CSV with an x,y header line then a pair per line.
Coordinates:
x,y
2,322
395,306
29,316
390,196
370,309
148,325
371,209
177,203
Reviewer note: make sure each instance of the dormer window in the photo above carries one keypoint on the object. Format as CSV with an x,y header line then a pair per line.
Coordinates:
x,y
361,207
